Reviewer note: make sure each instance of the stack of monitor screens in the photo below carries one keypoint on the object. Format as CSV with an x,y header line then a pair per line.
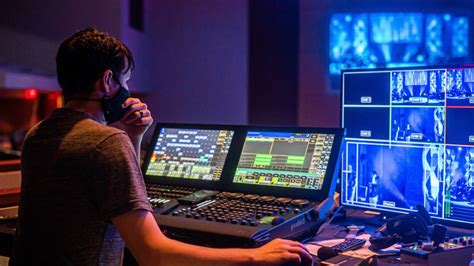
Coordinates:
x,y
262,160
410,140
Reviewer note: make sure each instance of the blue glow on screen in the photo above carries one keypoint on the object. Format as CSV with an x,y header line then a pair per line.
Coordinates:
x,y
388,28
387,40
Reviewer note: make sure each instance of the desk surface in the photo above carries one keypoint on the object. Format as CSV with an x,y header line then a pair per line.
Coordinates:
x,y
327,231
336,229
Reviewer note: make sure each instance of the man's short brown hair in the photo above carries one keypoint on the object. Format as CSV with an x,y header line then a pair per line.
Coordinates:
x,y
83,57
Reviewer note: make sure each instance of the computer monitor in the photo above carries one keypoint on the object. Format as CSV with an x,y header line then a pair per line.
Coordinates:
x,y
189,153
301,161
406,38
284,159
410,140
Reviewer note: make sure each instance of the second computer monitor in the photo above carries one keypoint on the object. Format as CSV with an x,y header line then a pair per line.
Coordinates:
x,y
284,159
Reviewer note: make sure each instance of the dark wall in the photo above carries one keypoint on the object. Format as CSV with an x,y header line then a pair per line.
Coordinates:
x,y
273,62
199,56
317,104
32,30
55,20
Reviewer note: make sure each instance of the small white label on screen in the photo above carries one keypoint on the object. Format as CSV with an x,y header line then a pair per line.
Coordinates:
x,y
389,203
418,99
366,99
471,139
366,133
416,136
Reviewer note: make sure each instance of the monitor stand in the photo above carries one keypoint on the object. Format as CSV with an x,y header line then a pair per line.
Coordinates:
x,y
374,220
378,219
361,217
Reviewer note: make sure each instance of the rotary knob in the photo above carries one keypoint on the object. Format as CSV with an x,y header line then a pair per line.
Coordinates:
x,y
251,197
267,198
300,202
283,200
235,195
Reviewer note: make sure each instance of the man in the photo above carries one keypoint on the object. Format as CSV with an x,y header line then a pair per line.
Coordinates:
x,y
82,188
432,167
374,188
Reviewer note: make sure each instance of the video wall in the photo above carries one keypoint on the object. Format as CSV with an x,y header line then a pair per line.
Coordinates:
x,y
371,40
410,140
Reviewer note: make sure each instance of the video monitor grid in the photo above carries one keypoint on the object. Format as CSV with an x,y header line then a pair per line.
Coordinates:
x,y
413,147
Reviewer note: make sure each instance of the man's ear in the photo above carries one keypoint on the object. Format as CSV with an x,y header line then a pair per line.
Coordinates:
x,y
106,83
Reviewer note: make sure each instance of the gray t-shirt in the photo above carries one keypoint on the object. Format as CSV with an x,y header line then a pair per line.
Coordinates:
x,y
76,175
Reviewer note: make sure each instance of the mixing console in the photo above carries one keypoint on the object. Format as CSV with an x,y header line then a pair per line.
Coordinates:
x,y
231,219
237,208
279,182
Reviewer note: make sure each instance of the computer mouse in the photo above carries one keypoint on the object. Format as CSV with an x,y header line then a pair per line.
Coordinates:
x,y
304,262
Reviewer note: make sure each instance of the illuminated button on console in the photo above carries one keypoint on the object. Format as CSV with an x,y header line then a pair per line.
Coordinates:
x,y
277,220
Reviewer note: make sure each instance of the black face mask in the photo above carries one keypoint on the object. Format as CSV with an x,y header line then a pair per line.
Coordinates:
x,y
112,107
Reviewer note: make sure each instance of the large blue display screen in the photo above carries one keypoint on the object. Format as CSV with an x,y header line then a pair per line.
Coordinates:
x,y
410,140
388,40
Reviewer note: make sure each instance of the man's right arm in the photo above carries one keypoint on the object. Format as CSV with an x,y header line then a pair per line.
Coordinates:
x,y
151,247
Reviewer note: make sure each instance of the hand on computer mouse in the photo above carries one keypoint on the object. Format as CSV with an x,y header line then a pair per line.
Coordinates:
x,y
282,252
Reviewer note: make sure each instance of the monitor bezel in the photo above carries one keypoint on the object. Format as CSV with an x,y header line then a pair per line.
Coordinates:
x,y
455,223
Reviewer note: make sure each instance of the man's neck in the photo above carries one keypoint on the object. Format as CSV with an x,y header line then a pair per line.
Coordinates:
x,y
93,108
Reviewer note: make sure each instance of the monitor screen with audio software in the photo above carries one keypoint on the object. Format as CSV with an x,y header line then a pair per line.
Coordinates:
x,y
284,159
410,140
185,153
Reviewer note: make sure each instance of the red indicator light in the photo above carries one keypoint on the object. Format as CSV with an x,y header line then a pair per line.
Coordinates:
x,y
31,94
